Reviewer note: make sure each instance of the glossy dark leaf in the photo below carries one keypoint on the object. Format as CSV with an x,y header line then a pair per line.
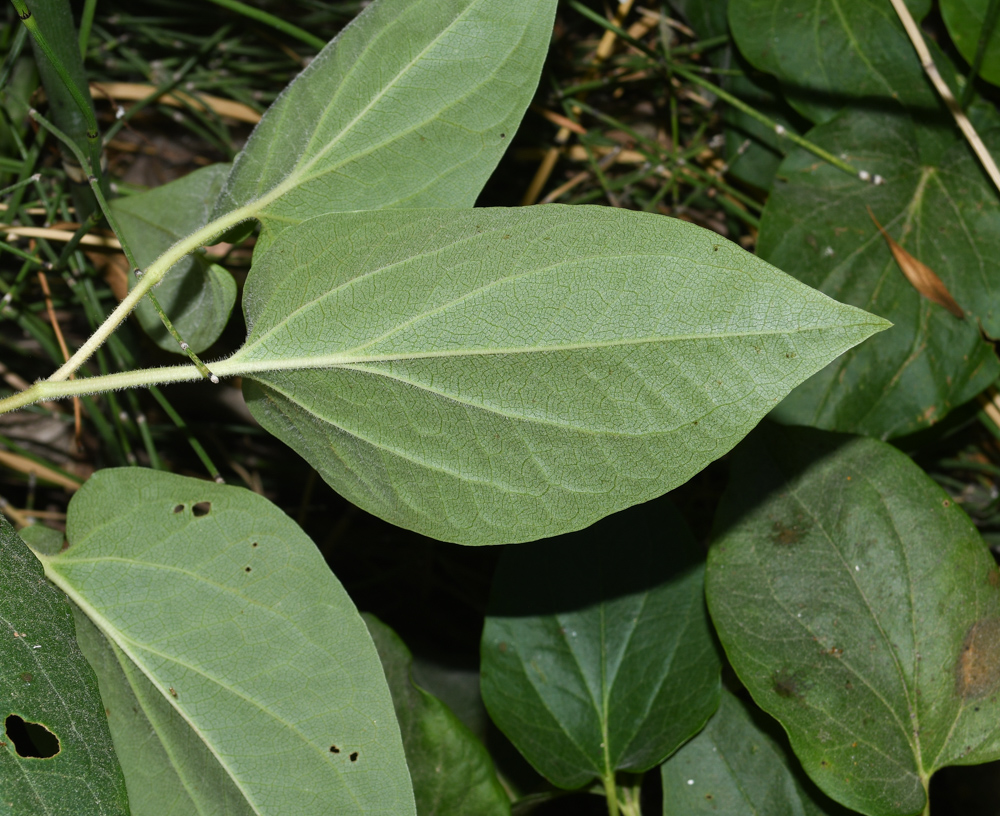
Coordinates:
x,y
56,755
740,765
597,655
451,770
859,606
941,209
829,54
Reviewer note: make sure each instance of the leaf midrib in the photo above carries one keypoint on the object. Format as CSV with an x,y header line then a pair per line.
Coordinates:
x,y
236,365
124,642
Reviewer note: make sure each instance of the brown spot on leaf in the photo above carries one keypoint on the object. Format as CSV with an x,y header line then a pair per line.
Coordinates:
x,y
993,577
786,684
787,534
502,646
920,276
977,671
179,508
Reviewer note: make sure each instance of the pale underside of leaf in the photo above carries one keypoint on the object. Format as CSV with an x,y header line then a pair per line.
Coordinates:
x,y
411,105
512,374
240,646
196,295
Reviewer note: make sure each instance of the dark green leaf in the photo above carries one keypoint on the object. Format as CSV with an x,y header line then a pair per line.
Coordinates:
x,y
196,295
937,204
740,765
597,654
829,54
231,660
487,376
964,19
452,772
48,691
412,105
859,606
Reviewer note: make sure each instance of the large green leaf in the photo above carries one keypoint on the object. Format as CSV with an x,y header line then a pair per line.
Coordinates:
x,y
196,295
860,607
830,53
739,766
488,376
965,19
239,677
412,105
597,653
46,685
937,204
451,770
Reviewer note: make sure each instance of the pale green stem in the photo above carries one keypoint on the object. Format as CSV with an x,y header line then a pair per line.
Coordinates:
x,y
611,794
632,800
153,275
59,389
93,134
117,230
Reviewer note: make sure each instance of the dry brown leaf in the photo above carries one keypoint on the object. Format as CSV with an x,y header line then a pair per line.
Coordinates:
x,y
921,276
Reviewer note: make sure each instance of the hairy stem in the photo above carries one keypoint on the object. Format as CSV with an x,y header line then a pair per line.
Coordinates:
x,y
153,275
102,203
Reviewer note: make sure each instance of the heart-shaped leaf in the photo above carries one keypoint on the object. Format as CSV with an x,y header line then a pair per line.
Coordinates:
x,y
451,770
597,654
860,607
740,765
196,295
829,54
238,675
488,376
412,105
56,755
937,204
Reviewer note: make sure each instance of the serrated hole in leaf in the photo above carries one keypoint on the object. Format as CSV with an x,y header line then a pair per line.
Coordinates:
x,y
201,509
30,739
